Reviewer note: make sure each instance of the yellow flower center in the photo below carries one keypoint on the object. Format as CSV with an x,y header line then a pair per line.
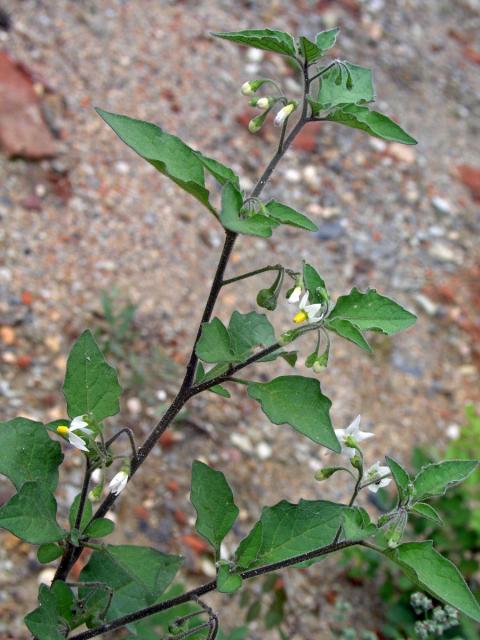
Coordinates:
x,y
63,430
300,317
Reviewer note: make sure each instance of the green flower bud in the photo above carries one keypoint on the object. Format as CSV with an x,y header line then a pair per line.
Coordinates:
x,y
287,337
356,461
267,299
256,123
249,88
326,472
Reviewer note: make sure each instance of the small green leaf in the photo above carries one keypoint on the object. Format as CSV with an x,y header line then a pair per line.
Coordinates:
x,y
427,511
28,453
214,343
436,479
372,122
332,94
86,515
248,330
233,220
100,528
50,621
437,575
356,524
48,552
169,155
91,384
284,214
201,376
267,39
227,581
136,575
400,476
371,311
348,330
310,50
287,530
213,501
299,402
314,284
31,515
325,40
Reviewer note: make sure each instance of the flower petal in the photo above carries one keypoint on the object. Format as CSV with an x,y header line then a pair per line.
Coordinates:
x,y
77,442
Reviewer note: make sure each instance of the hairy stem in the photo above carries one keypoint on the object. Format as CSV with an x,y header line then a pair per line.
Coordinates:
x,y
208,587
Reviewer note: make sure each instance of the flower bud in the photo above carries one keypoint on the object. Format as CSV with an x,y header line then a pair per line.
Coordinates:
x,y
250,87
287,336
267,299
326,472
264,103
285,112
256,123
356,462
96,493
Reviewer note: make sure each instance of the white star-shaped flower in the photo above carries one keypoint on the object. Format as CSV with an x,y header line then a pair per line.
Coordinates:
x,y
352,432
374,472
310,312
78,424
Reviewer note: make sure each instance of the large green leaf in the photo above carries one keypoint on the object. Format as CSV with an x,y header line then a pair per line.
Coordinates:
x,y
91,384
53,618
137,575
287,530
355,87
299,402
31,515
169,155
214,343
371,311
28,453
213,501
372,122
267,39
437,575
348,330
284,214
436,479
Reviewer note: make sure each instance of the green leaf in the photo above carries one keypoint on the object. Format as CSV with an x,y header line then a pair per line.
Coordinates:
x,y
227,582
233,220
48,552
50,621
371,311
290,357
136,575
326,39
214,344
348,330
356,524
332,94
169,155
299,402
213,501
248,330
310,50
436,479
91,385
28,453
437,575
86,515
99,528
400,476
426,511
267,39
284,214
314,284
31,515
287,530
201,376
372,122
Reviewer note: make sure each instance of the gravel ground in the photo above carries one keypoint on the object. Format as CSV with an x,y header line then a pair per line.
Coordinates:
x,y
401,219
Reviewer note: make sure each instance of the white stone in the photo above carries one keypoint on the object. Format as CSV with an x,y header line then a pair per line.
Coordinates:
x,y
441,205
264,450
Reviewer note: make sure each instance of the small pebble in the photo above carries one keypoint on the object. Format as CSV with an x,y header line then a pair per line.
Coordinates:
x,y
264,450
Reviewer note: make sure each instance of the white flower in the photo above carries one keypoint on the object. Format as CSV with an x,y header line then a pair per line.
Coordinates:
x,y
310,312
284,112
376,471
352,432
118,482
77,424
294,297
247,89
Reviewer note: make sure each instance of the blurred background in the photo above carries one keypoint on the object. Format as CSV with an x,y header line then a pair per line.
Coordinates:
x,y
92,236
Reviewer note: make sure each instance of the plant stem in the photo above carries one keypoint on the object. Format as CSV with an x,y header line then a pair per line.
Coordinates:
x,y
208,587
185,392
250,274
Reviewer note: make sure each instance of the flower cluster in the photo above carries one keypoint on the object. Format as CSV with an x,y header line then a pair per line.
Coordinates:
x,y
266,103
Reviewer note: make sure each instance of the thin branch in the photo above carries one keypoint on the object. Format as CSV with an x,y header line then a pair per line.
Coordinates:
x,y
209,587
131,438
250,274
